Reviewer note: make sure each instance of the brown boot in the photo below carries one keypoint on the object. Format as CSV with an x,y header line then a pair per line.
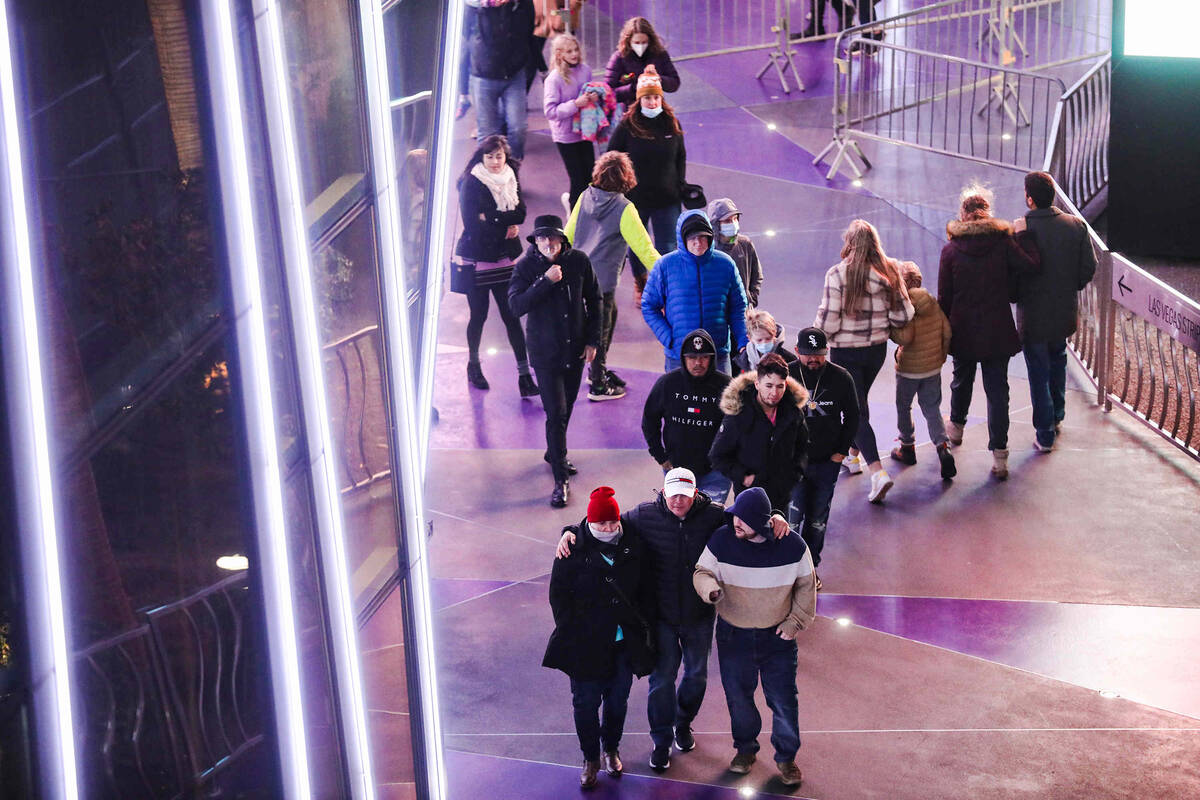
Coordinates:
x,y
612,763
789,773
587,778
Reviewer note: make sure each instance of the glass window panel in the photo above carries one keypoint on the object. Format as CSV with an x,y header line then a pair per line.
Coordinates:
x,y
323,61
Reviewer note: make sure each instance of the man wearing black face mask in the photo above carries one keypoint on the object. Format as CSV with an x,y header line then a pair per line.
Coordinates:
x,y
832,416
554,287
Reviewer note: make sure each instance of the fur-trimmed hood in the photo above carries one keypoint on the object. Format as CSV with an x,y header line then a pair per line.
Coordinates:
x,y
740,390
956,228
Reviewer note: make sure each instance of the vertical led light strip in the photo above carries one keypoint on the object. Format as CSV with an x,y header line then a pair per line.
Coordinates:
x,y
50,678
440,208
220,48
285,164
408,454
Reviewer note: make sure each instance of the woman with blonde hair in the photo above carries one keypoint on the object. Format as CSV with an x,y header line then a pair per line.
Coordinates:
x,y
765,336
863,299
976,275
562,104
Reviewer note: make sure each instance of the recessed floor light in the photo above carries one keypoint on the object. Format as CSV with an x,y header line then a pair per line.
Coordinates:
x,y
845,622
770,126
491,351
857,183
1109,693
769,232
234,563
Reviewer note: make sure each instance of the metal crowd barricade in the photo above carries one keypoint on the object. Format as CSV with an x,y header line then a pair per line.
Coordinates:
x,y
943,104
930,58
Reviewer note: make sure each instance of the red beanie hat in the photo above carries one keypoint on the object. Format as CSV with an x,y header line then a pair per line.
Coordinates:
x,y
602,507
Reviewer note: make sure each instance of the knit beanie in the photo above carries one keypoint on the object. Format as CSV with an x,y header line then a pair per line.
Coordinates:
x,y
602,507
649,82
753,508
695,223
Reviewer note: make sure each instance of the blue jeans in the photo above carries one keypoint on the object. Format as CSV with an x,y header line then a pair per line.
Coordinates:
x,y
715,485
667,707
500,108
723,364
810,503
660,223
928,392
744,654
595,728
995,386
1046,363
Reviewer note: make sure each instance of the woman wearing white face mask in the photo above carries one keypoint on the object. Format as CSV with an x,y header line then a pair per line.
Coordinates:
x,y
650,134
766,336
637,48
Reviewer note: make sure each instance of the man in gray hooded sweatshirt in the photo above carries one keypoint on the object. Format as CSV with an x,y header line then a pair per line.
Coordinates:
x,y
604,224
727,219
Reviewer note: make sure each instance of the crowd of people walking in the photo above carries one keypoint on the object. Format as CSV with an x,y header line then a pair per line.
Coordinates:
x,y
739,407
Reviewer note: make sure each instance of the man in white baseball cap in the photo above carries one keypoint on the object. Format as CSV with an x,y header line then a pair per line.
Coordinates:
x,y
675,528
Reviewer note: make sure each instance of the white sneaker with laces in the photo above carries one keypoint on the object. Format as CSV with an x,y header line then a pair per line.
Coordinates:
x,y
853,464
566,202
880,483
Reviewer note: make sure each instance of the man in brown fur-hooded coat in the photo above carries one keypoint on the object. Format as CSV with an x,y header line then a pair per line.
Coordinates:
x,y
764,438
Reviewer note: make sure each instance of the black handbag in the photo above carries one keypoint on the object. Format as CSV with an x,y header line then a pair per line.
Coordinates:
x,y
692,195
462,277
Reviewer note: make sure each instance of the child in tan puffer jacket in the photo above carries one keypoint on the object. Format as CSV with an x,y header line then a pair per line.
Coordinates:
x,y
924,342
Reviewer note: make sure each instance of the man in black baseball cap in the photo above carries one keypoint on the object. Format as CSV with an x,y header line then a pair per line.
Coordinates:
x,y
832,416
682,414
554,287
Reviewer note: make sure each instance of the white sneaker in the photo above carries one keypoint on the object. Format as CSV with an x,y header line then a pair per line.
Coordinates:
x,y
880,483
853,464
954,433
566,201
1000,464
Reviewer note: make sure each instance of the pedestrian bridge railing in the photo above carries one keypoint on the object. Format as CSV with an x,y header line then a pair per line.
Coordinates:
x,y
1078,153
1139,342
353,366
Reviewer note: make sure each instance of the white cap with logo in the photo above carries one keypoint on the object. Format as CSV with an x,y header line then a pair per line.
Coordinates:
x,y
680,480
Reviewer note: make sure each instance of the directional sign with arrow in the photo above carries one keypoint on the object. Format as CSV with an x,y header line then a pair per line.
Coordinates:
x,y
1158,304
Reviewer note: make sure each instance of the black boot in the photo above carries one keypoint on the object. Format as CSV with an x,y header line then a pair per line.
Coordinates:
x,y
526,386
571,470
475,376
560,495
948,468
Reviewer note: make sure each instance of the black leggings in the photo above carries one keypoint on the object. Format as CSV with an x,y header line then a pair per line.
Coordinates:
x,y
578,158
477,301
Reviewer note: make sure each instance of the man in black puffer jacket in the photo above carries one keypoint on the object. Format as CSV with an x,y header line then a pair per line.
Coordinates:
x,y
675,528
683,411
500,57
763,440
554,287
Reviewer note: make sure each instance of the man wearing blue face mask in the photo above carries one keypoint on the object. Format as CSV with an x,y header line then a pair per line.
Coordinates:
x,y
731,241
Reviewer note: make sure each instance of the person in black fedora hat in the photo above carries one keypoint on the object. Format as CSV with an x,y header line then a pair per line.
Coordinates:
x,y
554,288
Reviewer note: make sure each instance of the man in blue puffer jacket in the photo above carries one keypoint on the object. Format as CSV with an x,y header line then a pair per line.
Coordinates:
x,y
696,286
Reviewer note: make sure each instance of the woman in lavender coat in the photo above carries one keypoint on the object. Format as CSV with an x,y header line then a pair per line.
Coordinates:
x,y
563,103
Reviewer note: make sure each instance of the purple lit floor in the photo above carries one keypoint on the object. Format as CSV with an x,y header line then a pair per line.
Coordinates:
x,y
1036,638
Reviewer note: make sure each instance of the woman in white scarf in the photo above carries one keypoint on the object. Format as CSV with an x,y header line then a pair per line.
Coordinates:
x,y
489,197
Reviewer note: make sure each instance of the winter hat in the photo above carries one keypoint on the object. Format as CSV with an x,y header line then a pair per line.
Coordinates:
x,y
697,343
812,342
753,508
680,480
722,208
602,507
649,82
547,225
695,223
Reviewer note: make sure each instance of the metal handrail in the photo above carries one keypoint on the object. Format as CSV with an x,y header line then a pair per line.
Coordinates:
x,y
354,354
1144,360
1077,155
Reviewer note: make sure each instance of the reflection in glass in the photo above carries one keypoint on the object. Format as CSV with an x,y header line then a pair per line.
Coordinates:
x,y
325,98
